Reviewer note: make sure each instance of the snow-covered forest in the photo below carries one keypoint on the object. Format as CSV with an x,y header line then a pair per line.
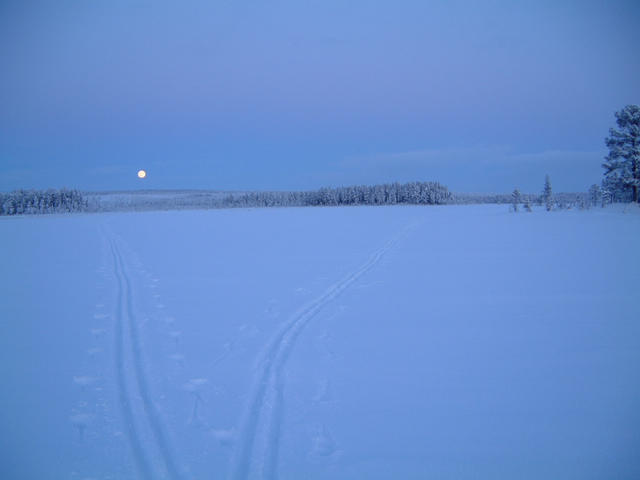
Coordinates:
x,y
53,201
21,202
414,193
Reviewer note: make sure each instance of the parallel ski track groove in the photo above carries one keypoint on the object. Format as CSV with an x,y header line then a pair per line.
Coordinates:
x,y
267,390
147,402
139,456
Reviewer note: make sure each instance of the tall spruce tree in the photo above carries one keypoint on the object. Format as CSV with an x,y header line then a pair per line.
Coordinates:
x,y
622,165
547,194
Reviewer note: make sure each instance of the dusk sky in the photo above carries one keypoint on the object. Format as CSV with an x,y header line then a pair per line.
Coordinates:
x,y
236,95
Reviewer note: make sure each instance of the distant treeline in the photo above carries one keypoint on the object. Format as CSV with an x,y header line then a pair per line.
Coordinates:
x,y
413,193
561,198
21,202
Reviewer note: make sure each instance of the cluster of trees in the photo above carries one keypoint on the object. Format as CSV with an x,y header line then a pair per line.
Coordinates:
x,y
554,201
413,193
494,198
21,202
621,181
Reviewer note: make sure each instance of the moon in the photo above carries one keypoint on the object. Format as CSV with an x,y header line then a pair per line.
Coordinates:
x,y
142,174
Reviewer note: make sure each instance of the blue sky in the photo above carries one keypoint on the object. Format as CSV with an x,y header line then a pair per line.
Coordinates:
x,y
482,96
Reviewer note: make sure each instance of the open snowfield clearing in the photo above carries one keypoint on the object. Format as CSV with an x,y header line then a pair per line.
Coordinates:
x,y
321,343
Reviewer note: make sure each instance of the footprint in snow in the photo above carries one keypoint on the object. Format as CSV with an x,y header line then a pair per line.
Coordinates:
x,y
178,358
248,330
100,316
98,332
93,352
175,336
224,437
272,308
195,387
84,381
323,392
81,421
323,446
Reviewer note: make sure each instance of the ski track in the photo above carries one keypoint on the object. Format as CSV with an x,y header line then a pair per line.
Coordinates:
x,y
141,461
263,413
125,310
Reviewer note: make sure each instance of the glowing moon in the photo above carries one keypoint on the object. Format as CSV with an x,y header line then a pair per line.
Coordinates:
x,y
142,174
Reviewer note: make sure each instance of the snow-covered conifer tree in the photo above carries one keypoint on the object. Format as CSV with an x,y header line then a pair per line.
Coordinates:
x,y
623,161
594,194
547,194
515,199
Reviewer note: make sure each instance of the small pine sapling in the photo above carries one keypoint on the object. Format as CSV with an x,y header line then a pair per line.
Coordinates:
x,y
515,199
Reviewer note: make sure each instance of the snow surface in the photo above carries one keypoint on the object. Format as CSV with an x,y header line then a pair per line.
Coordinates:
x,y
321,343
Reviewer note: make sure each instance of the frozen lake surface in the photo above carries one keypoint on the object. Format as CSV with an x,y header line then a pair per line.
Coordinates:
x,y
451,342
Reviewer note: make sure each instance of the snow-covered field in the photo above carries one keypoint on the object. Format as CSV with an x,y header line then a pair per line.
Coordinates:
x,y
321,343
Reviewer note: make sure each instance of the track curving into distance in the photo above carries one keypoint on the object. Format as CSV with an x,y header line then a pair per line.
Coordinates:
x,y
262,417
